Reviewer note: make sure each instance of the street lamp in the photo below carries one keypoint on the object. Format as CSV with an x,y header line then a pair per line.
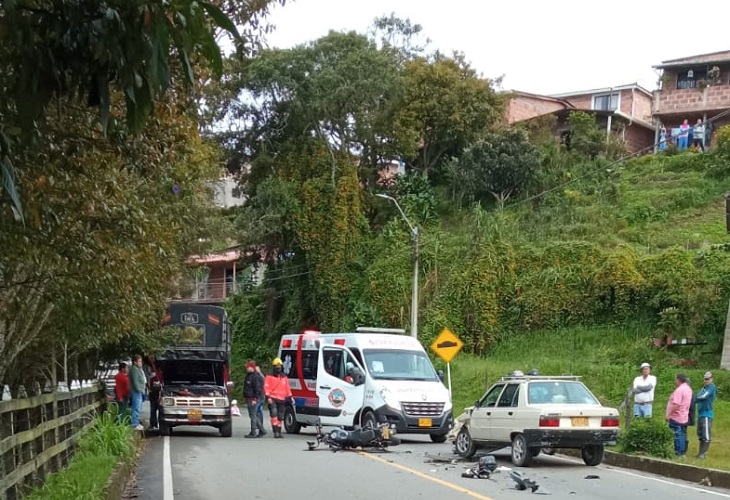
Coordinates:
x,y
414,237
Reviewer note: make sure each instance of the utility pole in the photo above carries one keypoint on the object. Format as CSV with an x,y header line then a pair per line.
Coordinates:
x,y
414,238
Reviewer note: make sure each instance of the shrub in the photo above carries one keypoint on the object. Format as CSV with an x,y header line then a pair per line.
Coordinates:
x,y
647,435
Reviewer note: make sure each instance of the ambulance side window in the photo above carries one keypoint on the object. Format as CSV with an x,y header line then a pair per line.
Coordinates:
x,y
333,362
309,364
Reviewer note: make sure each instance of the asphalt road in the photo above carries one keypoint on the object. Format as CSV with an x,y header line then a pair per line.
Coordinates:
x,y
197,464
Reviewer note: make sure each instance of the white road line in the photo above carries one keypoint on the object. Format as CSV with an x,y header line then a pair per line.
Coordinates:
x,y
658,480
167,493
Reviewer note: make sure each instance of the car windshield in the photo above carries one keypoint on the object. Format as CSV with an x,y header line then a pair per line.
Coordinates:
x,y
399,365
560,392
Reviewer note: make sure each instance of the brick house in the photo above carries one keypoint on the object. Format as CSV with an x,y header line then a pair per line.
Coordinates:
x,y
691,88
625,111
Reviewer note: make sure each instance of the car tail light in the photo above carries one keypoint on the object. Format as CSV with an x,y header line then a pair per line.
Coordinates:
x,y
339,341
550,421
609,422
286,343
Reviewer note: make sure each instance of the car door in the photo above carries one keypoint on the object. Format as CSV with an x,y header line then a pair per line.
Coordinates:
x,y
505,415
481,417
339,400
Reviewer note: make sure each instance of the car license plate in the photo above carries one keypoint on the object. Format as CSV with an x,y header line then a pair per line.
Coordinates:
x,y
424,422
579,421
195,415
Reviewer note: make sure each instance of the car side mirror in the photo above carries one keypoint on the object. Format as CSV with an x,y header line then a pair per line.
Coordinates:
x,y
441,375
476,403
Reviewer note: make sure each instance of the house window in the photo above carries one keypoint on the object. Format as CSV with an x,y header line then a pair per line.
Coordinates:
x,y
688,79
606,102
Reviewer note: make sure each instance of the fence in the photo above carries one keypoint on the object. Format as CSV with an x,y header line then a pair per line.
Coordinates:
x,y
38,435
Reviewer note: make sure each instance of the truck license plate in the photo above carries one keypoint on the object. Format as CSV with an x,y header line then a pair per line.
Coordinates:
x,y
195,415
424,422
579,421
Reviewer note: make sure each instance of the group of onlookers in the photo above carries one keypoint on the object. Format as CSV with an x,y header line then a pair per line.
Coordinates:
x,y
132,385
685,408
687,136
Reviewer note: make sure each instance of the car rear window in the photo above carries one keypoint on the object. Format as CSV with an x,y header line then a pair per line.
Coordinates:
x,y
560,392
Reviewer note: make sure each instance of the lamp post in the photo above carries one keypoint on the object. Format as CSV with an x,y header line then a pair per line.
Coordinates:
x,y
414,238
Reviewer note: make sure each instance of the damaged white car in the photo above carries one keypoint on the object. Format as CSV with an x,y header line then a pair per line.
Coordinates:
x,y
531,413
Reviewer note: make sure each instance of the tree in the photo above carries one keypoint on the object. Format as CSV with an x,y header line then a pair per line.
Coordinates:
x,y
446,106
500,164
89,49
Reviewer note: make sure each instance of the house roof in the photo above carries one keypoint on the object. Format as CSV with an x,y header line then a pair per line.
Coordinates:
x,y
230,254
603,90
520,93
722,56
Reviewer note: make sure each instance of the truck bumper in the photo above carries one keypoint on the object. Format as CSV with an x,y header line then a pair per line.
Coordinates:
x,y
406,424
183,416
555,438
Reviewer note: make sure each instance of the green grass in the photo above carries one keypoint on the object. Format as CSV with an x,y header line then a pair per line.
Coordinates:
x,y
607,358
100,449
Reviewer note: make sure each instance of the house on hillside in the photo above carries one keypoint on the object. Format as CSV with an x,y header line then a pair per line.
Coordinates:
x,y
217,276
691,88
625,111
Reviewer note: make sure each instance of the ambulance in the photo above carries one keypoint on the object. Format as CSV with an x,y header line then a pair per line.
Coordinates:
x,y
372,376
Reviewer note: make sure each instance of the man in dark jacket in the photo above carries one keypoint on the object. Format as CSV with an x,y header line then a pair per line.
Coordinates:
x,y
253,393
137,385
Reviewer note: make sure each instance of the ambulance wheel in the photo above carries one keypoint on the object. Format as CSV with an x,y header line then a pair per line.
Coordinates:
x,y
438,438
290,421
367,419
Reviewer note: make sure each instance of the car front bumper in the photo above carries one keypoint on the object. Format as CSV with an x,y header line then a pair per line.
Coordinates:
x,y
406,424
557,438
180,416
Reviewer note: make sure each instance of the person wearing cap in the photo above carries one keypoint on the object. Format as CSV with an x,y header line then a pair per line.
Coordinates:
x,y
253,393
643,387
677,415
705,402
277,392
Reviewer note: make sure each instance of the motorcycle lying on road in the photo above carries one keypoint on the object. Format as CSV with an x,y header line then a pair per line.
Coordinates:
x,y
379,437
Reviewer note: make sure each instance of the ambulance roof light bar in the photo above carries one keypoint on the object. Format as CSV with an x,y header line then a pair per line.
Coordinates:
x,y
371,329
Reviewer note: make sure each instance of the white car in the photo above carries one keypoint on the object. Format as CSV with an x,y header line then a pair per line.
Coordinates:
x,y
530,413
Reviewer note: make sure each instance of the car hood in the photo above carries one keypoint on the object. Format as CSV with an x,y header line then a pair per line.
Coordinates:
x,y
410,390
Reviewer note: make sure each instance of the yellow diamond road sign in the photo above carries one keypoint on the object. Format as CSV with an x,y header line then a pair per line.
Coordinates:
x,y
447,345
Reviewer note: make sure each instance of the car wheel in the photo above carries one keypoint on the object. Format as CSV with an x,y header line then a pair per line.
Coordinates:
x,y
368,420
535,452
227,429
521,455
438,438
592,454
290,421
464,444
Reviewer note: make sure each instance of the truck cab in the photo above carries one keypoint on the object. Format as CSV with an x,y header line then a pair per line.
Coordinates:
x,y
193,371
366,377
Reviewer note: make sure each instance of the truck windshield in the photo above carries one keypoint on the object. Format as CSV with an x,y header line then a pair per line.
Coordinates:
x,y
399,365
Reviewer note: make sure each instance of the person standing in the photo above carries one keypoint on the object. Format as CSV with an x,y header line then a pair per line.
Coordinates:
x,y
121,391
677,415
155,390
698,135
260,405
277,392
644,386
253,394
137,383
705,408
683,137
663,139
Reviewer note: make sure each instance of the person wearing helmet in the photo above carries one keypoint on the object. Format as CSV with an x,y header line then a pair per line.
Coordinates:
x,y
277,392
353,374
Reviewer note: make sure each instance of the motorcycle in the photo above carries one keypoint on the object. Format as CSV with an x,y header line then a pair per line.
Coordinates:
x,y
379,437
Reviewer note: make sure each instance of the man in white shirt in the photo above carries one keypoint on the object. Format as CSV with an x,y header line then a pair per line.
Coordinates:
x,y
644,386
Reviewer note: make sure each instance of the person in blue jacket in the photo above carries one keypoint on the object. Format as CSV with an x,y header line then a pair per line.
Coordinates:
x,y
705,402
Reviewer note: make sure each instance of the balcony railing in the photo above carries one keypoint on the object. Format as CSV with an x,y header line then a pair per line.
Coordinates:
x,y
211,290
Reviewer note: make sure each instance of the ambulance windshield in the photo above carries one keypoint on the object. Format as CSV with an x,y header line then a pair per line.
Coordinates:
x,y
399,365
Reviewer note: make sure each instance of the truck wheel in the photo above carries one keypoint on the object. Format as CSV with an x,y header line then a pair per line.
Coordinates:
x,y
521,454
227,429
368,420
438,438
464,444
165,430
290,421
592,454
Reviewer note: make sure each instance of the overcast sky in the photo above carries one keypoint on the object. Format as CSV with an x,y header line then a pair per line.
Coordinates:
x,y
539,46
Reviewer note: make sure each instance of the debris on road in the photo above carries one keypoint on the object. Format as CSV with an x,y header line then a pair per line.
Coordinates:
x,y
436,458
592,476
483,469
522,482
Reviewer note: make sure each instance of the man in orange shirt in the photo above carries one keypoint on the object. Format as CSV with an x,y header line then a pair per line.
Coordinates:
x,y
678,413
277,392
121,390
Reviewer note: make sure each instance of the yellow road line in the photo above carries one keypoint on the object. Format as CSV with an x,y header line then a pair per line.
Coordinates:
x,y
446,484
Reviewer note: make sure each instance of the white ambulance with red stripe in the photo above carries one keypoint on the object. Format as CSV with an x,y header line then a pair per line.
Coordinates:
x,y
393,381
